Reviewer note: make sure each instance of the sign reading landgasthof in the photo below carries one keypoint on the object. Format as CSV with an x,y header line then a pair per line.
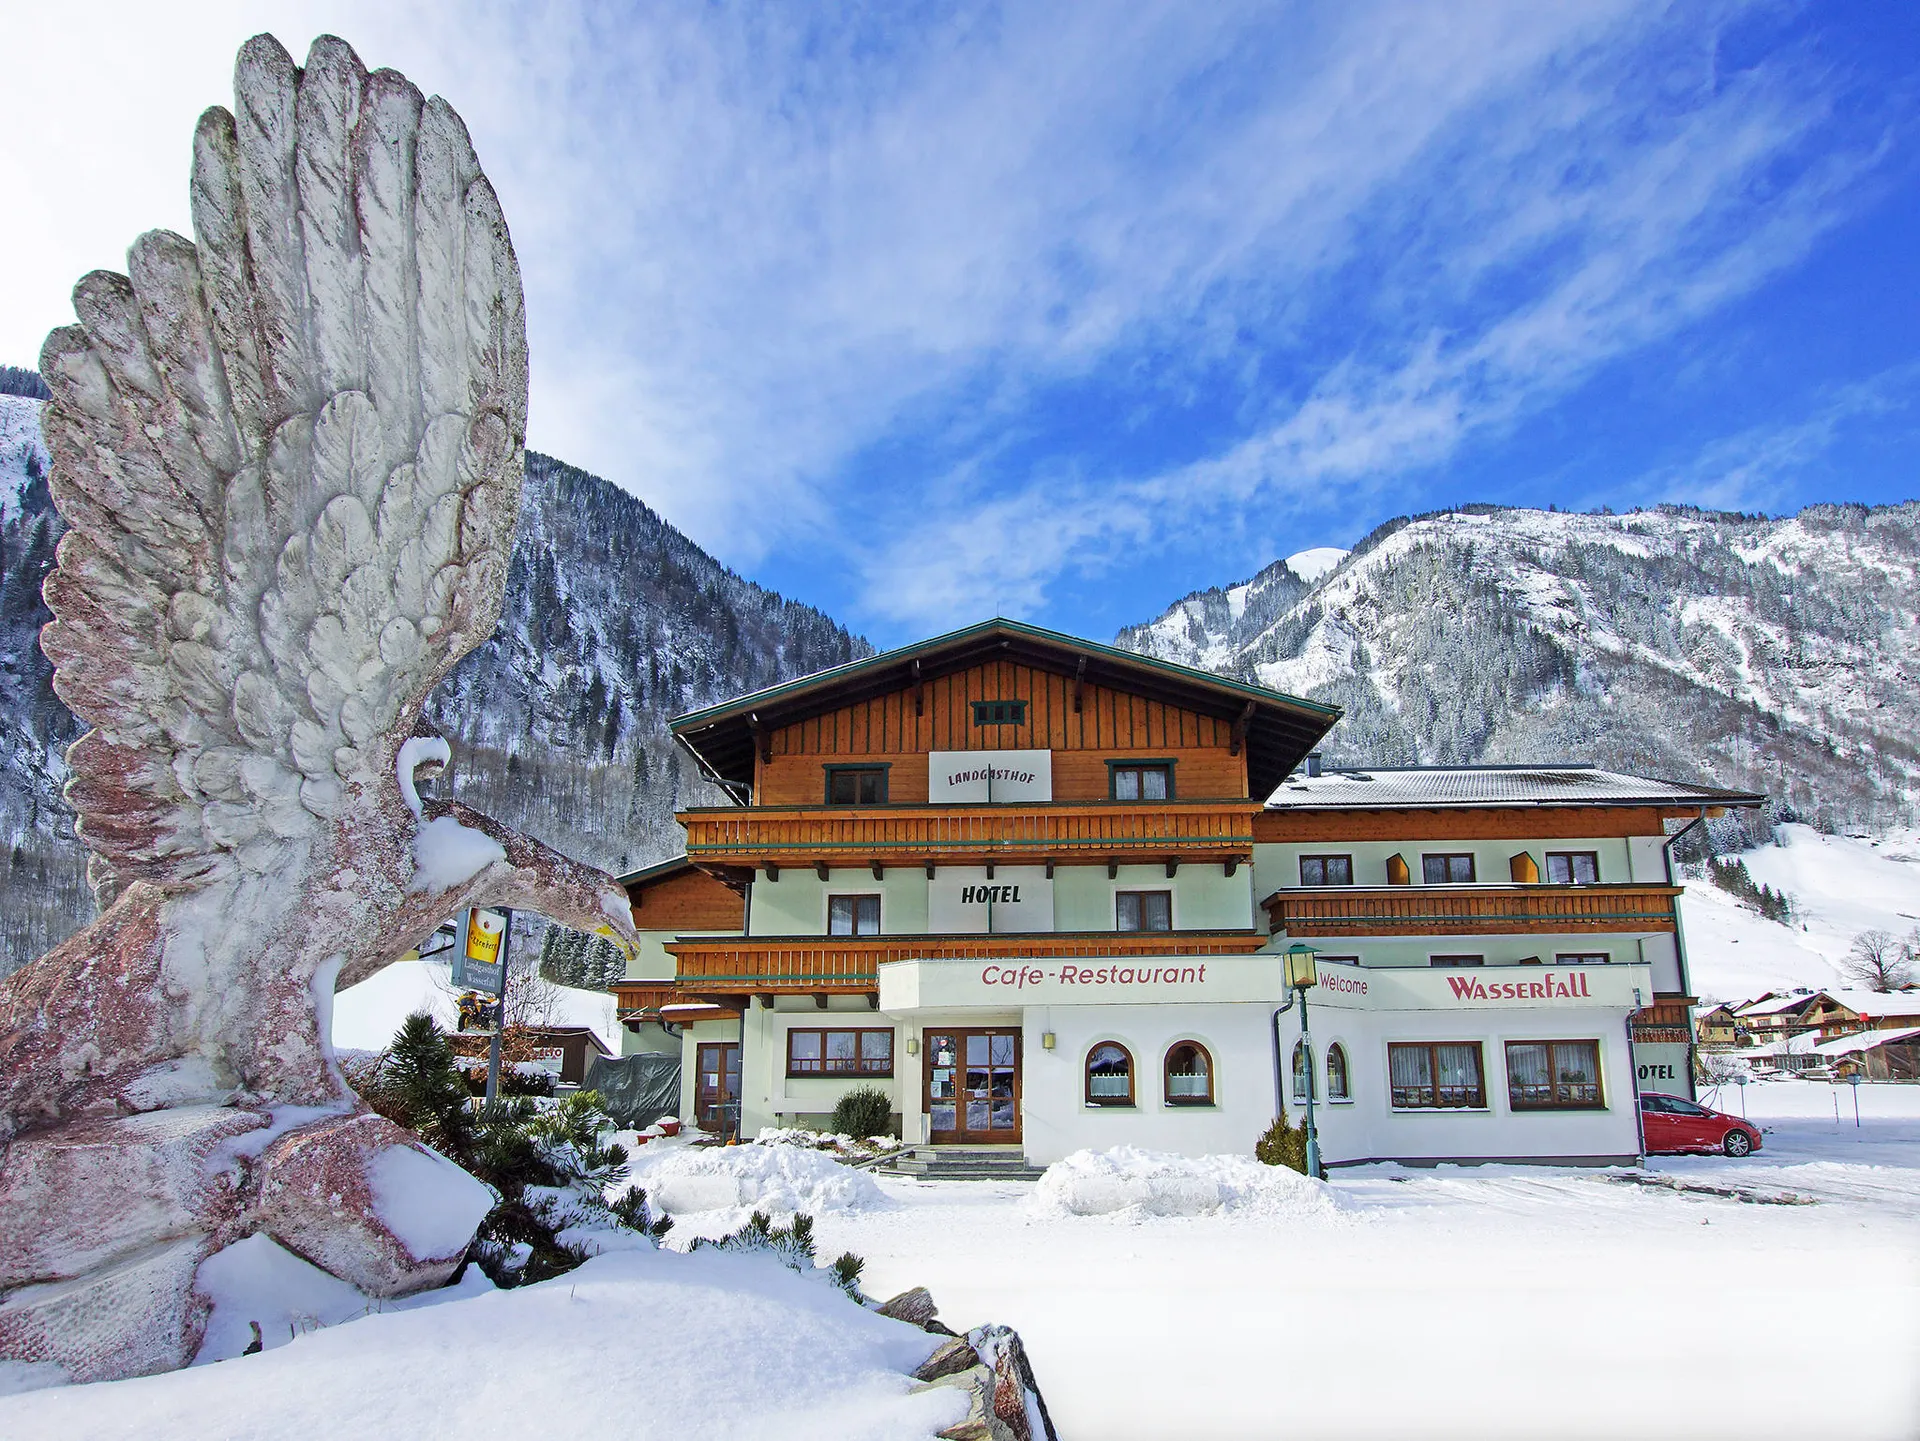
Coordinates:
x,y
983,777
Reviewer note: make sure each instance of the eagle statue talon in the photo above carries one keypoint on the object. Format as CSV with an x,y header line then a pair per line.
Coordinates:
x,y
289,454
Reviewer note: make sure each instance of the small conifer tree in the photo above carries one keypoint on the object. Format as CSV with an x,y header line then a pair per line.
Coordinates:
x,y
1283,1145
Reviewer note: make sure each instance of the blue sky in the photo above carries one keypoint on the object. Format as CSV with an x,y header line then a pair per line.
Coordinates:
x,y
926,313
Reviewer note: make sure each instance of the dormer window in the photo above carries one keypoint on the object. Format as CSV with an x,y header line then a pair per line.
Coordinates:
x,y
999,712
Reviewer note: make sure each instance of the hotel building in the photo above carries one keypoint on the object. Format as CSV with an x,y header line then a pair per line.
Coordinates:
x,y
1041,892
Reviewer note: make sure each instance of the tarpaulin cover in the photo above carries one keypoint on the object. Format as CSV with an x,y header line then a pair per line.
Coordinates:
x,y
636,1090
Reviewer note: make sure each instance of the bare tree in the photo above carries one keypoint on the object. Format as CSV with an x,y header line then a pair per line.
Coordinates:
x,y
1880,961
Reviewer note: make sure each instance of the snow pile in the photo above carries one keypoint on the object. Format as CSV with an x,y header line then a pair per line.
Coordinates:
x,y
775,1179
799,1358
851,1147
1129,1181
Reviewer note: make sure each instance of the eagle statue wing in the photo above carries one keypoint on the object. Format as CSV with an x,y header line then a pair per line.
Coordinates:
x,y
290,453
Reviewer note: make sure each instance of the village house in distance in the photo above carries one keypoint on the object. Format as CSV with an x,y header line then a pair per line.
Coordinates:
x,y
1041,892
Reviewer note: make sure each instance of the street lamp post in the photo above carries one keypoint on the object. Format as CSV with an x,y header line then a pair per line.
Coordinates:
x,y
1302,975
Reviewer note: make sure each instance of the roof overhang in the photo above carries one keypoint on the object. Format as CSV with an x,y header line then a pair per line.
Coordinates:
x,y
1278,730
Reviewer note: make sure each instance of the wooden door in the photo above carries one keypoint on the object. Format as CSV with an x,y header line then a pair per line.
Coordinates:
x,y
972,1086
716,1086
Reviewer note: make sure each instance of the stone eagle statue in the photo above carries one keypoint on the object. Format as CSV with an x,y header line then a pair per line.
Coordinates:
x,y
289,452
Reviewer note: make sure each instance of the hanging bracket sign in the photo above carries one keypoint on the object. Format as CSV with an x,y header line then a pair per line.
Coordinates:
x,y
480,951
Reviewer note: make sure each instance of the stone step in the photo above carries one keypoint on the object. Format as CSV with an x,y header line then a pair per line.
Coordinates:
x,y
962,1163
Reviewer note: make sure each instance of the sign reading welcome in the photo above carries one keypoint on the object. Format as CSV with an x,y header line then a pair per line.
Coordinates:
x,y
982,777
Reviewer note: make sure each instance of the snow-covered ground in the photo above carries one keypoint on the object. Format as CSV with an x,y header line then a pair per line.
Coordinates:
x,y
1471,1302
1841,886
366,1016
646,1345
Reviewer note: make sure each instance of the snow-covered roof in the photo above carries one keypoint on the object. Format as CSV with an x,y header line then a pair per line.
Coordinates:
x,y
1876,1004
1866,1041
1803,1044
1774,1005
1422,787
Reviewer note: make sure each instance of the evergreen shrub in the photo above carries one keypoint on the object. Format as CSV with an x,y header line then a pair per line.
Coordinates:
x,y
1283,1145
862,1112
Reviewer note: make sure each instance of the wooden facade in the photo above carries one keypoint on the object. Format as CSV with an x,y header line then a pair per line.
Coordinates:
x,y
1470,910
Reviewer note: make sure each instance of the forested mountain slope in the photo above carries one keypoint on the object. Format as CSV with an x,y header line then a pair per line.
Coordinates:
x,y
1777,655
614,622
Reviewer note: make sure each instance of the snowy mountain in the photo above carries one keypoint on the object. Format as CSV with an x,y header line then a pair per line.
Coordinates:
x,y
614,621
1776,655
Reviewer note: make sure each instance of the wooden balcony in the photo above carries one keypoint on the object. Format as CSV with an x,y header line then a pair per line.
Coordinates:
x,y
1084,833
1469,910
828,965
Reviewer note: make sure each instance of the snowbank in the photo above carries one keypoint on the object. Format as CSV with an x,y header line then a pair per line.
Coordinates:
x,y
798,1358
1128,1180
777,1179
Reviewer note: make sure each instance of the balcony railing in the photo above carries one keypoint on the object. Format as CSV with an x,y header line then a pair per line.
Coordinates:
x,y
1468,910
828,964
1083,832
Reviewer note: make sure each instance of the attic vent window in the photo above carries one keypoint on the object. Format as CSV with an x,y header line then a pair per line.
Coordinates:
x,y
999,712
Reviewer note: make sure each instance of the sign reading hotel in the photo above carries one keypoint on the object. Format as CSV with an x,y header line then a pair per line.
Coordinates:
x,y
964,901
984,777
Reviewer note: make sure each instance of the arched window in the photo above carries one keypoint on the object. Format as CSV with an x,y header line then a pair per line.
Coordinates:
x,y
1189,1075
1109,1075
1337,1073
1300,1071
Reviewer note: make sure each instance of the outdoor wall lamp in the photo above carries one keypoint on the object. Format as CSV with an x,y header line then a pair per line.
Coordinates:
x,y
913,1045
1046,1040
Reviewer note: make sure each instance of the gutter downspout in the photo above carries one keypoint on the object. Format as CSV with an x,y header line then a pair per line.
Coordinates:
x,y
1679,942
1273,1031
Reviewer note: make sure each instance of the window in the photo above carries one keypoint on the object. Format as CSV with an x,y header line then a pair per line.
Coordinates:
x,y
1140,780
1573,868
1456,960
1584,958
1189,1075
856,785
821,1052
1337,1089
1436,1076
999,712
1452,870
1143,910
1109,1075
1300,1071
853,915
1554,1076
1326,870
1671,1106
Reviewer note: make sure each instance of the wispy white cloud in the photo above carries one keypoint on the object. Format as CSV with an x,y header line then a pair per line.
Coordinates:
x,y
787,268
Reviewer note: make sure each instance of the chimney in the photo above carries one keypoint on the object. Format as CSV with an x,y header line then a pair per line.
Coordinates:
x,y
1313,764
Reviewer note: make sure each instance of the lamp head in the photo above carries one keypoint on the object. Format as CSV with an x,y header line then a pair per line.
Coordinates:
x,y
1302,971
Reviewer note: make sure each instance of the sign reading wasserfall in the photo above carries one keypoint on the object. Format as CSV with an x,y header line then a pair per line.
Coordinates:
x,y
981,777
480,951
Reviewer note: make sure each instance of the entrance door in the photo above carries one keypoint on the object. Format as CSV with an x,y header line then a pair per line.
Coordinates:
x,y
716,1086
973,1086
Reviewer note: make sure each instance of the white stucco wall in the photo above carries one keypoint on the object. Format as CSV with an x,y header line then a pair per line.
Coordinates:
x,y
1277,867
796,904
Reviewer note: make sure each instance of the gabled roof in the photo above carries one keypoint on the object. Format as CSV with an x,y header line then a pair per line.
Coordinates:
x,y
1576,783
1867,1041
1774,1005
1280,729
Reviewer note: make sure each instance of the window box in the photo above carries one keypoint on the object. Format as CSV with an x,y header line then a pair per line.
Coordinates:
x,y
1436,1076
1554,1076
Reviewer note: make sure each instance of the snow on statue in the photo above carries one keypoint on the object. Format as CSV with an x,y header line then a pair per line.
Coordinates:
x,y
290,455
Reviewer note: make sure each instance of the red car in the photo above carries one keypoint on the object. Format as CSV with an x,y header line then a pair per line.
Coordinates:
x,y
1670,1123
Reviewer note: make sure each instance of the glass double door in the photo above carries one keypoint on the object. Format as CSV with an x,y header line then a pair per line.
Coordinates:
x,y
973,1085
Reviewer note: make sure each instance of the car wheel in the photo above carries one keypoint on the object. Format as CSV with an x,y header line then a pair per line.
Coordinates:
x,y
1736,1144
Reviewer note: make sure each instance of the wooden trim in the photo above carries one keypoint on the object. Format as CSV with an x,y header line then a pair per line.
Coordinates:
x,y
843,965
1166,1074
1469,910
961,1132
859,1070
1082,831
1086,1077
